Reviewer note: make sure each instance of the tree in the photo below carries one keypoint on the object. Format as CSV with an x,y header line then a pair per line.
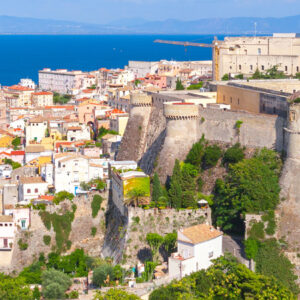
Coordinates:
x,y
225,77
257,74
96,205
179,85
134,196
55,284
103,273
175,191
14,288
233,154
114,294
16,142
36,295
154,241
169,243
157,190
251,186
195,155
211,156
61,196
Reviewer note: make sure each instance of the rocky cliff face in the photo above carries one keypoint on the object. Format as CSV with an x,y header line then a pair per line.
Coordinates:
x,y
80,235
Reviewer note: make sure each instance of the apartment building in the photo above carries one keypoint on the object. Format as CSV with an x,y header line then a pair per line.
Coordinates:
x,y
36,129
243,55
61,80
17,96
41,99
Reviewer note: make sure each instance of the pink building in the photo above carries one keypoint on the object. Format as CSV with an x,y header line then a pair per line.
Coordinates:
x,y
159,81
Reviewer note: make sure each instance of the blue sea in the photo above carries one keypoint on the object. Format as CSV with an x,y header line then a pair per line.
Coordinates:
x,y
21,56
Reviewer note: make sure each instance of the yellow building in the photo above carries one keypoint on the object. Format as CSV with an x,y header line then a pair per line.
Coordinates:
x,y
18,96
5,141
41,99
39,161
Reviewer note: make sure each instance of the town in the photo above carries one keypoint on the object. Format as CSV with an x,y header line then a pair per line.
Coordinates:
x,y
125,179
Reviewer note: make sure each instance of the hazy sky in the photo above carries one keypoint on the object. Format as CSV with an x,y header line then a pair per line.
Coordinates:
x,y
103,11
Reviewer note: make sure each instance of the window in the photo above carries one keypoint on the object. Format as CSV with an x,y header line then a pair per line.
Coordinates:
x,y
36,190
297,69
286,68
238,101
263,67
240,67
274,110
223,97
251,67
1,225
28,191
259,51
264,107
23,224
230,99
211,254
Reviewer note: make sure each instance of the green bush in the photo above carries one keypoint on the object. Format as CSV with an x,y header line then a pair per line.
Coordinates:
x,y
100,274
74,295
22,246
200,183
195,86
61,196
211,156
47,239
270,218
14,288
233,154
251,248
257,231
93,231
96,205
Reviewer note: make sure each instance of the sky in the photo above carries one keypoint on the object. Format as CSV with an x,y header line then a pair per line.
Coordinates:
x,y
106,11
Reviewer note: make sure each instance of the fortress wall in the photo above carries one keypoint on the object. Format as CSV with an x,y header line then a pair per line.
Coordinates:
x,y
218,125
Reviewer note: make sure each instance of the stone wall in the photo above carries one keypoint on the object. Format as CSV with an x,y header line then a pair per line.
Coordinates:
x,y
80,235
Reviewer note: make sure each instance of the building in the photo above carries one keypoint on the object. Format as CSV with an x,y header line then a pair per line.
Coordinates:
x,y
21,216
197,246
243,55
35,130
142,68
60,81
257,96
17,96
78,133
111,144
124,180
7,232
41,99
31,188
118,123
5,171
26,82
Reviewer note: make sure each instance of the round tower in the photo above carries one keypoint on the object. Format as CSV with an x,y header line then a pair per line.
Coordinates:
x,y
293,130
140,99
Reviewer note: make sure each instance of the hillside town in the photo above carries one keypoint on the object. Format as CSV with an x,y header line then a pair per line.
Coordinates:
x,y
139,160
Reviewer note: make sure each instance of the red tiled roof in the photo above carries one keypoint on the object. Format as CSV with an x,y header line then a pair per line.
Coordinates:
x,y
42,93
46,197
67,107
18,152
19,88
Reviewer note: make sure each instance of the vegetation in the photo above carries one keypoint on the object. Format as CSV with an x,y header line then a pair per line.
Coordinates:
x,y
225,77
179,85
55,284
169,242
61,99
251,186
103,131
97,184
102,275
93,231
195,86
14,164
157,190
61,196
16,142
47,239
14,288
175,191
196,154
22,245
154,241
62,225
225,279
211,156
134,196
239,76
233,154
114,294
272,73
96,205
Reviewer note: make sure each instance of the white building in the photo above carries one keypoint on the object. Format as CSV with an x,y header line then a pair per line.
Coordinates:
x,y
61,81
21,217
72,169
7,232
35,129
142,68
26,82
47,173
78,133
197,247
5,171
31,188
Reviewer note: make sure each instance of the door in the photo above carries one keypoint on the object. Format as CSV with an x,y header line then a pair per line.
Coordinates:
x,y
5,243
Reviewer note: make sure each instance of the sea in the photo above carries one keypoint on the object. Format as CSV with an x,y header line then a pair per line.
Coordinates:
x,y
22,56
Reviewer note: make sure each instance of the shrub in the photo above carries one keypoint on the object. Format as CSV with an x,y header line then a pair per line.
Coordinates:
x,y
211,156
93,231
101,274
270,218
47,239
251,248
96,204
200,183
61,196
257,231
22,246
136,220
74,295
233,154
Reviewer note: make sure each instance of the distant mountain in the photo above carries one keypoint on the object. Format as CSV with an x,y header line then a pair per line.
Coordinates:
x,y
16,25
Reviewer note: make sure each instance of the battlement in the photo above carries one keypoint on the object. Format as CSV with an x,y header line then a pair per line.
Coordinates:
x,y
140,99
181,111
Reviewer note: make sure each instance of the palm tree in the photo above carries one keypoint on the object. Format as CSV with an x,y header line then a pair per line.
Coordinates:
x,y
133,196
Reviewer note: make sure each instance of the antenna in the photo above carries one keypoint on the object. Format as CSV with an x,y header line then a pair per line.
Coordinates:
x,y
255,24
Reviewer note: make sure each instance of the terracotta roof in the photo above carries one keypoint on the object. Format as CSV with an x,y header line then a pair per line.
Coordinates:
x,y
17,152
87,91
46,197
38,119
25,180
67,107
42,93
6,219
201,233
19,88
74,128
